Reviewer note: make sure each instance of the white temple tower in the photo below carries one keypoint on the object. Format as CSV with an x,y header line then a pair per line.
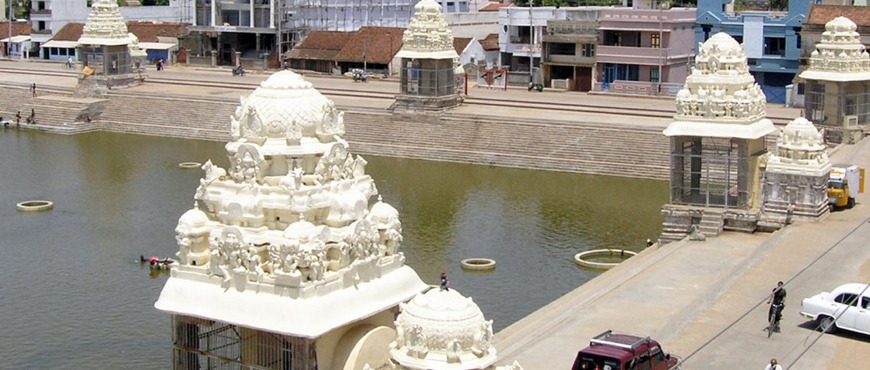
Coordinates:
x,y
287,266
796,178
107,49
717,139
428,62
838,83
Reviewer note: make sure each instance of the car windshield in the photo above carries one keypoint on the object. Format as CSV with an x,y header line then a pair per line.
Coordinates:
x,y
836,184
587,361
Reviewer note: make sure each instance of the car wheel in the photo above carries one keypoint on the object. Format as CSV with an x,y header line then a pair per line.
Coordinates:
x,y
827,325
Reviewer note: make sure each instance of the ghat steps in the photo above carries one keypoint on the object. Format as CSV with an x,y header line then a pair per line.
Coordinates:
x,y
618,150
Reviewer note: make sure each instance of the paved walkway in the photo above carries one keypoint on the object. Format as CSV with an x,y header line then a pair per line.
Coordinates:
x,y
705,301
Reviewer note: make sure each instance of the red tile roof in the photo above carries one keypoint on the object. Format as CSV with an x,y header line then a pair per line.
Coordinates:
x,y
149,31
145,31
822,14
493,7
460,43
18,29
325,40
70,32
490,43
379,44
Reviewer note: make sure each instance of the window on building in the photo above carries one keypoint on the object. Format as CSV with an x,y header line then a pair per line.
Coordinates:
x,y
562,48
707,28
655,40
615,39
654,74
774,46
797,33
588,50
629,3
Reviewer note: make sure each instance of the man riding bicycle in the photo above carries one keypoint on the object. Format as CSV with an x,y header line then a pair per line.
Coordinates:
x,y
777,304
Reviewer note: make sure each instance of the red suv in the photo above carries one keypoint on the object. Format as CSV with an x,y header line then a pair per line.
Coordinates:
x,y
611,351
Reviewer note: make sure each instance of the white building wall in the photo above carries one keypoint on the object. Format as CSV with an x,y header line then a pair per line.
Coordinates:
x,y
347,15
474,51
477,25
176,11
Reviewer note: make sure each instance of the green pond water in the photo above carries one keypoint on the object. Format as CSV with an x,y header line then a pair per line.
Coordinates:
x,y
73,295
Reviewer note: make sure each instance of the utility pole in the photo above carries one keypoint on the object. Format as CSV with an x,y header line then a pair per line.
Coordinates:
x,y
531,42
279,4
661,4
9,37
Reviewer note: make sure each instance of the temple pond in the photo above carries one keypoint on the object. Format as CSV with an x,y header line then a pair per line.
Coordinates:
x,y
74,295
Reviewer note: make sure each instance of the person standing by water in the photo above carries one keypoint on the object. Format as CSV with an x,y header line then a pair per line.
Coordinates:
x,y
18,119
32,119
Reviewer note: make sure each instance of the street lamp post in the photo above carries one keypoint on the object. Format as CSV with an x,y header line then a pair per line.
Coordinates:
x,y
9,36
661,5
531,42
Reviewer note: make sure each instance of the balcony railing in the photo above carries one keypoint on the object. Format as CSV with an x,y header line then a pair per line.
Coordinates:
x,y
40,11
631,55
41,32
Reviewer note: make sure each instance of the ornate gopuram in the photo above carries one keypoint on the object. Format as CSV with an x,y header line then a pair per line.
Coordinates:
x,y
717,140
441,329
838,84
283,263
105,51
428,63
796,177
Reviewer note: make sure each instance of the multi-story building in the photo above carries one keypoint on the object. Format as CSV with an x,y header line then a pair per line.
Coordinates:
x,y
642,49
520,35
771,39
250,27
646,49
48,17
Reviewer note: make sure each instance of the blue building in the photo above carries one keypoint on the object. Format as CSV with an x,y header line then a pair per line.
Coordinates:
x,y
771,39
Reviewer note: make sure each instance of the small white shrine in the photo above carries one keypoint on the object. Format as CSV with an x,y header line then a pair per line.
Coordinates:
x,y
283,263
428,62
441,329
105,49
796,177
838,84
717,140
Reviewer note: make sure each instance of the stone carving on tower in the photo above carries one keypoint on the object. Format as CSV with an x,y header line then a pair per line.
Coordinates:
x,y
717,143
428,31
104,23
442,329
796,177
838,72
288,226
840,49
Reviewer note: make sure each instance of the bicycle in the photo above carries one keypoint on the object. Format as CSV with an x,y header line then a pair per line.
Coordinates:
x,y
774,315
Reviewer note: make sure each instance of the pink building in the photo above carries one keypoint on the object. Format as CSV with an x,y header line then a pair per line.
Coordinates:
x,y
644,51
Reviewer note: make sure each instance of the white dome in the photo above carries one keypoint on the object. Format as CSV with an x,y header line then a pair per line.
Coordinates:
x,y
286,106
802,130
841,25
301,230
442,329
723,43
383,214
193,218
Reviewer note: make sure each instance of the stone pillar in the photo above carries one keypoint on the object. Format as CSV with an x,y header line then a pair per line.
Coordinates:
x,y
214,58
238,58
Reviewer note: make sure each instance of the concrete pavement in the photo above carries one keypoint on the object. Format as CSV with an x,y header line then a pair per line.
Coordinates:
x,y
706,301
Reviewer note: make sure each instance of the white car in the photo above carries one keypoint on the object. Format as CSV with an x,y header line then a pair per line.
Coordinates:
x,y
846,307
